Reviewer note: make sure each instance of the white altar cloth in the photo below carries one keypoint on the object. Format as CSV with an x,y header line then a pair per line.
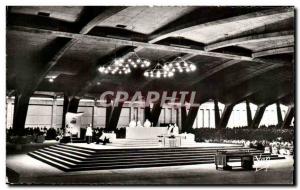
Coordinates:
x,y
145,132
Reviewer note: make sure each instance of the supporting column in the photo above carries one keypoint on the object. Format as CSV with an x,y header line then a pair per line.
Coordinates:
x,y
148,113
258,116
225,116
249,115
108,112
115,116
217,113
65,110
73,105
288,117
70,105
279,115
183,115
20,112
53,116
155,113
190,119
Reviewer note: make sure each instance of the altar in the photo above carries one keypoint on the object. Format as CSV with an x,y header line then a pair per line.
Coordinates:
x,y
145,132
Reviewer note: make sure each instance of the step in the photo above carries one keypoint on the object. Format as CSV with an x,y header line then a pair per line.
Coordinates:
x,y
55,159
48,161
164,149
61,156
161,149
71,151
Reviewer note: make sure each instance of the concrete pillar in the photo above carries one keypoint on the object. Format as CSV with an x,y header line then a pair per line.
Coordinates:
x,y
258,116
183,115
217,113
9,113
108,112
147,113
190,119
70,105
249,115
288,117
279,115
53,116
155,113
20,112
115,116
225,116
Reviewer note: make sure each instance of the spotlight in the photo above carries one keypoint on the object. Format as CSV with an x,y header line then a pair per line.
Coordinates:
x,y
138,60
192,67
101,69
170,74
146,74
51,80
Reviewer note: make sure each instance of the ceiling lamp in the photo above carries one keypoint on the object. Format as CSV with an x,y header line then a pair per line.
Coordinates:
x,y
137,62
51,78
117,66
124,66
180,65
159,71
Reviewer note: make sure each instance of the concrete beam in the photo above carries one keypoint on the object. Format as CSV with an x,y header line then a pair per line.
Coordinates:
x,y
69,43
122,42
217,113
258,116
249,114
273,52
115,116
190,119
279,115
283,35
225,116
155,113
187,27
20,112
288,117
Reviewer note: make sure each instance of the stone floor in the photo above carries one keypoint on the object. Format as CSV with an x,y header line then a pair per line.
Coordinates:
x,y
32,171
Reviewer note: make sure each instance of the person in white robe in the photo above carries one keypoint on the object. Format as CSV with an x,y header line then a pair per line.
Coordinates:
x,y
89,134
139,124
175,130
147,123
132,123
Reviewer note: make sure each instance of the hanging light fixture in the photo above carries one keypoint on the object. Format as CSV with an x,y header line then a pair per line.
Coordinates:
x,y
180,65
123,66
159,71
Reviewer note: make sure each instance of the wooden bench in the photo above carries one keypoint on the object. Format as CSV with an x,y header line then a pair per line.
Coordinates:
x,y
222,158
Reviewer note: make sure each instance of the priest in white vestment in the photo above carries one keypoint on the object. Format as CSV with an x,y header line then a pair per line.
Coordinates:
x,y
147,123
132,123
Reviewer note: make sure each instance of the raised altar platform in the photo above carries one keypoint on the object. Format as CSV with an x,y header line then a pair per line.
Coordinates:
x,y
145,132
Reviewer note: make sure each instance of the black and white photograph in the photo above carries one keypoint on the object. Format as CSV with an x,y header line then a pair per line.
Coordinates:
x,y
150,95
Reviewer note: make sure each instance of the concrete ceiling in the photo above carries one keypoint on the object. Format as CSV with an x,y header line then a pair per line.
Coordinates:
x,y
228,48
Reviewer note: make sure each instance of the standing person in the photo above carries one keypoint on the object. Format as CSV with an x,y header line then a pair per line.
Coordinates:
x,y
89,134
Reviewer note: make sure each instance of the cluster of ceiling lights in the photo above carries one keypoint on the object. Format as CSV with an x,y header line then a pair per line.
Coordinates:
x,y
123,66
51,78
168,69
